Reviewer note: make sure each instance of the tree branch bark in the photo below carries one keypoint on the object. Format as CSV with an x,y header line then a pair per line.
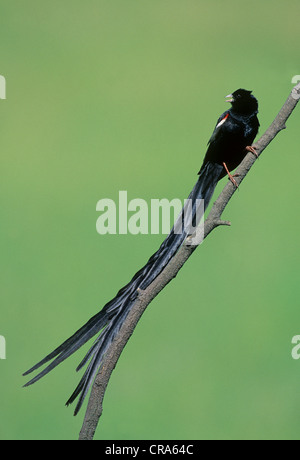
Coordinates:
x,y
95,404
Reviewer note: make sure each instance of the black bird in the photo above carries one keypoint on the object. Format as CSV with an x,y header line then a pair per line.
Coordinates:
x,y
233,135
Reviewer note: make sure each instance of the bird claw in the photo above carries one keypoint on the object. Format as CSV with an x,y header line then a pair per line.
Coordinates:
x,y
232,180
251,149
231,177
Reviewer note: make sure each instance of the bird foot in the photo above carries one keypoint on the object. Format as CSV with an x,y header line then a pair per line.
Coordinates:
x,y
231,177
251,149
232,180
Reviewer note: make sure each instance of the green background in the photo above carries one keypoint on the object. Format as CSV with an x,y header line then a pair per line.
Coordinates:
x,y
114,95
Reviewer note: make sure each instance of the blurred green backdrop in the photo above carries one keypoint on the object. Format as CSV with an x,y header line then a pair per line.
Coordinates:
x,y
116,95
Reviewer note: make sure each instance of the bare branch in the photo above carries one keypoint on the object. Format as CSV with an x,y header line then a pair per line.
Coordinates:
x,y
94,409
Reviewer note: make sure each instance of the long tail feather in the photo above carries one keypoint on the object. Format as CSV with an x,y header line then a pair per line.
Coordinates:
x,y
110,319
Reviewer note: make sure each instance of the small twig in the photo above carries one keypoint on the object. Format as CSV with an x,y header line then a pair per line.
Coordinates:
x,y
223,222
94,409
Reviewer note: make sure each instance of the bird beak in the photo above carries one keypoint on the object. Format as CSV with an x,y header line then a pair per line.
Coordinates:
x,y
229,98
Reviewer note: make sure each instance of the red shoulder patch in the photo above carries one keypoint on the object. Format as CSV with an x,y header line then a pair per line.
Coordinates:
x,y
222,121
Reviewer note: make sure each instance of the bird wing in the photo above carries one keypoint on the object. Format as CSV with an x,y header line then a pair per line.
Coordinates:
x,y
218,128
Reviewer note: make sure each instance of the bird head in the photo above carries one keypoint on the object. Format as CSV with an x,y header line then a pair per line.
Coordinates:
x,y
243,101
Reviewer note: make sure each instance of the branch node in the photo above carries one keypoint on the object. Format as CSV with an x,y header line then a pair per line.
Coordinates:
x,y
223,222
